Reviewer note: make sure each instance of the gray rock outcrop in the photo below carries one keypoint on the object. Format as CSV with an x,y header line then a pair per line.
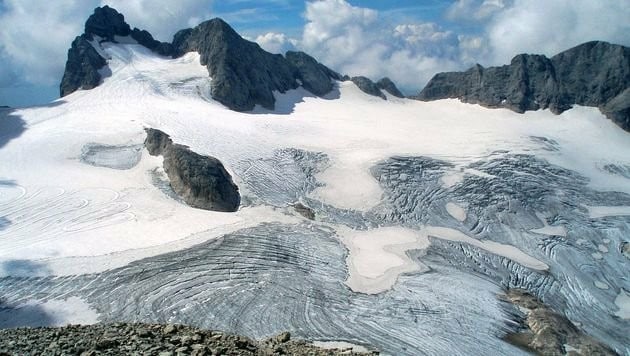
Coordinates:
x,y
389,86
144,38
315,77
591,74
549,333
107,23
243,74
82,67
201,181
367,86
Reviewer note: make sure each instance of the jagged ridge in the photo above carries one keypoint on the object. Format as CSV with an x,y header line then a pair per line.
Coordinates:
x,y
243,74
591,74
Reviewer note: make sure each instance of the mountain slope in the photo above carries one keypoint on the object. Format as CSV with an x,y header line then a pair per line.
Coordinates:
x,y
591,74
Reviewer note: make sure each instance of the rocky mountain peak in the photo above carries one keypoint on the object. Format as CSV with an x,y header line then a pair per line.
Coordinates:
x,y
106,23
243,74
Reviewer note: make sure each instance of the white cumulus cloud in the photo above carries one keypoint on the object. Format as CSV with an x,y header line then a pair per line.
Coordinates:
x,y
354,41
276,42
529,26
162,18
36,35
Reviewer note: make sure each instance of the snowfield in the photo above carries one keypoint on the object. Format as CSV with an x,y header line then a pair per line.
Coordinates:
x,y
416,194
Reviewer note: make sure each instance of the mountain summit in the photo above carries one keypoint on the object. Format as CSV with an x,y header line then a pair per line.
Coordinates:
x,y
243,74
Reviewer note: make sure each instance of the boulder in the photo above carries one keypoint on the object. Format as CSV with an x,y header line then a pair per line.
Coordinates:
x,y
201,181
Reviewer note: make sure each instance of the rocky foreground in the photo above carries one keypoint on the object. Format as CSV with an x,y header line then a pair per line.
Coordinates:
x,y
149,339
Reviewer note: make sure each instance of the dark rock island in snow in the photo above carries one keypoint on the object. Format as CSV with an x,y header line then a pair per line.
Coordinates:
x,y
201,181
591,74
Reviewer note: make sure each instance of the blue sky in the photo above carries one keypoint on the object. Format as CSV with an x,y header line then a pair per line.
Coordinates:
x,y
406,40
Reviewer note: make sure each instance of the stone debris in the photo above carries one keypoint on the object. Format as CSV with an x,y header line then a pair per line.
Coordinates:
x,y
149,339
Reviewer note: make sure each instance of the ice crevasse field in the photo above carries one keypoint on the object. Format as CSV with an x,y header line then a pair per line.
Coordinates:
x,y
424,213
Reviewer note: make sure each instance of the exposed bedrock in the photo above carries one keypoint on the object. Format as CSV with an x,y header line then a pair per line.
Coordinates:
x,y
82,67
315,77
367,86
375,89
591,74
389,86
201,181
547,332
245,75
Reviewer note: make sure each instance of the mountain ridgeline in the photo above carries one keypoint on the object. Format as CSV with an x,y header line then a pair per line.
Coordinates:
x,y
243,74
591,74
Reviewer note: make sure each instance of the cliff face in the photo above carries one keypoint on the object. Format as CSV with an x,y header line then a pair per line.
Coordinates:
x,y
591,74
82,67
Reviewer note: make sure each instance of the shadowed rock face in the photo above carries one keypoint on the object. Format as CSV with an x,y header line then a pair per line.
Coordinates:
x,y
243,74
107,23
201,181
592,74
390,87
81,67
315,77
367,86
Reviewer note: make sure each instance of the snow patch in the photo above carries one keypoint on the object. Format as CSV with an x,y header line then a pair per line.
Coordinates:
x,y
623,303
456,211
596,212
377,257
341,345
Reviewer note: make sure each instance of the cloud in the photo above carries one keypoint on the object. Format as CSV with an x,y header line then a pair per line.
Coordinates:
x,y
475,10
162,18
355,41
36,35
276,42
527,27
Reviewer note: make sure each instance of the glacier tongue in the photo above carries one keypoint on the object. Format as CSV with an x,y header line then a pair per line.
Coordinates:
x,y
441,205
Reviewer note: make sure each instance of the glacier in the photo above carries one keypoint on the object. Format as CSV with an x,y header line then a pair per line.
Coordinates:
x,y
425,212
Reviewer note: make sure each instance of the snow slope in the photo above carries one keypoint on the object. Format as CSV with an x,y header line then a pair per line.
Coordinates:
x,y
78,195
